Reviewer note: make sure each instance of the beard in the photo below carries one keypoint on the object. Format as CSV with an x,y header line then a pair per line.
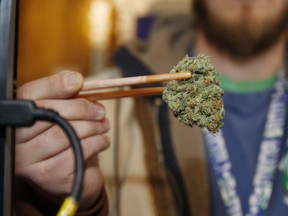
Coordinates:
x,y
242,39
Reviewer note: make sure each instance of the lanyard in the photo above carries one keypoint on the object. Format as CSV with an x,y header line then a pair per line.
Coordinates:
x,y
267,159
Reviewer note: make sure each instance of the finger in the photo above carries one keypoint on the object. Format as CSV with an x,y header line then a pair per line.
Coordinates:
x,y
91,147
61,85
26,133
75,109
94,145
62,165
54,141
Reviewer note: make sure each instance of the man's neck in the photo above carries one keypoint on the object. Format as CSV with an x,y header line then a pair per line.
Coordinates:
x,y
259,67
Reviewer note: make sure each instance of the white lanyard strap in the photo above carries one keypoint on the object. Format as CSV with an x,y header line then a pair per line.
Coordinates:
x,y
267,159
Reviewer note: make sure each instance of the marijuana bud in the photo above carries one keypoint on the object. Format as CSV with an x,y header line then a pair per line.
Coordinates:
x,y
197,100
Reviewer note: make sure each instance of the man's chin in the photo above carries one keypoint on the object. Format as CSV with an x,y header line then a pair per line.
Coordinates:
x,y
239,44
241,39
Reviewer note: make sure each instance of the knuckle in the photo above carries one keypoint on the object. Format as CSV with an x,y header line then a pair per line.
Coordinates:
x,y
95,145
82,108
107,142
83,105
104,143
100,128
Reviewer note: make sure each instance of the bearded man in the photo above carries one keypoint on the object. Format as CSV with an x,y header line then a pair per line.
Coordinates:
x,y
240,170
247,42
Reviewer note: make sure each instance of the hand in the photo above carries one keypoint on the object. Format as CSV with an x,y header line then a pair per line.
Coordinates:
x,y
44,156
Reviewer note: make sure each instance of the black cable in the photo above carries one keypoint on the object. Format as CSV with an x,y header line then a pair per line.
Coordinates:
x,y
20,113
52,116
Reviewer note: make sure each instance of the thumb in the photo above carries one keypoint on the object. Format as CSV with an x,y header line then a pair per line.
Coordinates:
x,y
57,86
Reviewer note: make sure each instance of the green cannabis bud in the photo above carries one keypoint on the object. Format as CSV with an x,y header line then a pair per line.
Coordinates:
x,y
197,100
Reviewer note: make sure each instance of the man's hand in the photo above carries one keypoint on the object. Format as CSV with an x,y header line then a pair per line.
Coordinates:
x,y
44,156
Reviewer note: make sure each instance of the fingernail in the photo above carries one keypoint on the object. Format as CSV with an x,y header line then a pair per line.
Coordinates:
x,y
100,111
72,79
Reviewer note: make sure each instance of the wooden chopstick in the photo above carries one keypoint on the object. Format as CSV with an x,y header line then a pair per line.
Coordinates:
x,y
92,95
89,90
128,81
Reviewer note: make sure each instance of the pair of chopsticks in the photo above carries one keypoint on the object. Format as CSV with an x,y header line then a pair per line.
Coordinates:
x,y
91,89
